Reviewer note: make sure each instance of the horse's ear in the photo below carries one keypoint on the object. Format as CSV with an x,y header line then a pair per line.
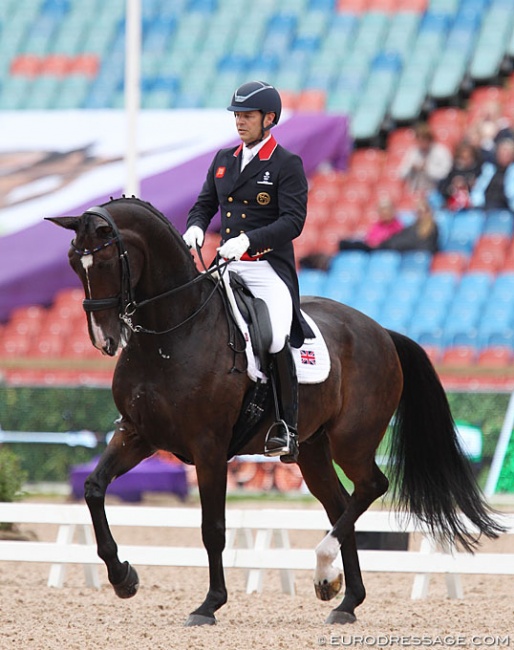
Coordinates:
x,y
70,223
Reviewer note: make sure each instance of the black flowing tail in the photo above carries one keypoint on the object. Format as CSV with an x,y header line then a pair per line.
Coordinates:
x,y
429,474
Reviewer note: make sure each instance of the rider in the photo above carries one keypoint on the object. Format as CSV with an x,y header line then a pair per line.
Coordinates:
x,y
261,190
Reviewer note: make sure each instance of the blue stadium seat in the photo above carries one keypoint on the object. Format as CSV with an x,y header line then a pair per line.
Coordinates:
x,y
465,338
432,338
349,260
340,289
503,288
368,307
498,222
465,230
462,321
312,282
417,262
439,288
403,293
474,286
427,316
395,316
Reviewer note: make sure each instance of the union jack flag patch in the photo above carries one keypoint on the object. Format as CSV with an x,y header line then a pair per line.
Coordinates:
x,y
308,357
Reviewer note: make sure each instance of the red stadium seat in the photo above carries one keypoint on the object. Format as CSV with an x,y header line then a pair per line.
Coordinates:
x,y
352,6
489,253
459,356
400,140
86,64
495,357
448,125
56,64
289,99
47,345
28,65
312,100
13,344
451,261
434,352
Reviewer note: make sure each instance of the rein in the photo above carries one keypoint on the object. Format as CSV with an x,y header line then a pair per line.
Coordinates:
x,y
125,300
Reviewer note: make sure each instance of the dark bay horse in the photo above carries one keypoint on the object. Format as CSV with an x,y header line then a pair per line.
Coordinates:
x,y
176,390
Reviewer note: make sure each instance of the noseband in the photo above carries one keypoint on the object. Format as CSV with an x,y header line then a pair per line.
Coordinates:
x,y
125,297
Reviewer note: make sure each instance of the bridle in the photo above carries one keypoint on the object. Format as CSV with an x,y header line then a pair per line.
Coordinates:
x,y
125,301
126,296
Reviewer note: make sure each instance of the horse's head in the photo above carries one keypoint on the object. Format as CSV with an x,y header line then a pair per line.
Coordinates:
x,y
128,256
99,255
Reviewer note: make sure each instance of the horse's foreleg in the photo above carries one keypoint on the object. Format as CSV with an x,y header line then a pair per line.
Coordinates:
x,y
212,484
119,457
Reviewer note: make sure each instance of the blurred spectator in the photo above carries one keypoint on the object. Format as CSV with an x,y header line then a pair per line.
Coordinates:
x,y
427,162
387,225
456,187
488,128
422,235
320,261
494,187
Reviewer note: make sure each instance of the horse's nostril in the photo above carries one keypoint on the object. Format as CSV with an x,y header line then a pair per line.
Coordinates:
x,y
110,346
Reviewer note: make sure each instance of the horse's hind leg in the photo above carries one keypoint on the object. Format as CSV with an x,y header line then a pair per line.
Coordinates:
x,y
122,454
320,476
343,510
369,484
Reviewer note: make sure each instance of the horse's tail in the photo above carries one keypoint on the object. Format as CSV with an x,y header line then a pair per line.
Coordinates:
x,y
430,476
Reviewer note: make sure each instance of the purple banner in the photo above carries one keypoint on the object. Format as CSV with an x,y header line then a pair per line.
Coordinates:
x,y
33,262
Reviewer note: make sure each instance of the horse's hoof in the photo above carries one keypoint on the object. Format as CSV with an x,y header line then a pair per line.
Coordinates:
x,y
327,590
199,619
129,586
340,618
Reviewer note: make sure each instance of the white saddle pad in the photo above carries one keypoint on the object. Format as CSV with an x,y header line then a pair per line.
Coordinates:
x,y
312,360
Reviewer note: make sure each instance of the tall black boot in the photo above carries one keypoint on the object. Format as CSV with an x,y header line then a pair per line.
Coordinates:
x,y
282,437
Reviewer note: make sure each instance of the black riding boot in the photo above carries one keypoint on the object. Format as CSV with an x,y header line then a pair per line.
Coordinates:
x,y
282,437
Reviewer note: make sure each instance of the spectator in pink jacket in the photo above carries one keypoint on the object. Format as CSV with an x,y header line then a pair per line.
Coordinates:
x,y
387,225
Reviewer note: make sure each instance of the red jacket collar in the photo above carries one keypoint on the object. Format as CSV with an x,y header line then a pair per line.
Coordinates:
x,y
265,152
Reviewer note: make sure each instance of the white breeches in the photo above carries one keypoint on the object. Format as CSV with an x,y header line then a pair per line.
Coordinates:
x,y
264,283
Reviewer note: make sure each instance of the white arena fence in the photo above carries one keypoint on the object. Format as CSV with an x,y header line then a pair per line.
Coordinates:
x,y
257,540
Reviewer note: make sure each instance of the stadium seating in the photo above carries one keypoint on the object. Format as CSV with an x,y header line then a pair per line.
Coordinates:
x,y
385,63
374,59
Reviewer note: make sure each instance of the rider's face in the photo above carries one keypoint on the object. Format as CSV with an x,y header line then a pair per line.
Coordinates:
x,y
249,124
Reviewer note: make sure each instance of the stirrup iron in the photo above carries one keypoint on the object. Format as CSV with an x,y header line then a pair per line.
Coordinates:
x,y
289,446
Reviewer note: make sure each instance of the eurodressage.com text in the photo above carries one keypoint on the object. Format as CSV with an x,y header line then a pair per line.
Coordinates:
x,y
411,641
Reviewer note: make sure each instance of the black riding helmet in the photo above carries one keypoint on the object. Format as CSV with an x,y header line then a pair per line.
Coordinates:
x,y
257,96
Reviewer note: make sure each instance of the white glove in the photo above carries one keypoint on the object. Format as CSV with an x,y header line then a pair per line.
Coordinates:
x,y
193,236
234,248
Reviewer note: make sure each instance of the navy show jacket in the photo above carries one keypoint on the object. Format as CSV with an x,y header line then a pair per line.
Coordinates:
x,y
268,202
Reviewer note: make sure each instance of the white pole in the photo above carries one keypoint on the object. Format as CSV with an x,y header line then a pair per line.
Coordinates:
x,y
132,92
501,450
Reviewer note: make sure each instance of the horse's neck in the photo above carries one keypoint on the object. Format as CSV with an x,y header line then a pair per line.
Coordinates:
x,y
173,275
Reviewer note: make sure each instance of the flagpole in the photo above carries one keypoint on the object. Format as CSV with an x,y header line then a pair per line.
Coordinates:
x,y
132,93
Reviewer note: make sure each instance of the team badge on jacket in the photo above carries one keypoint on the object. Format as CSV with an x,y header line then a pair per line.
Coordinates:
x,y
263,198
220,172
266,179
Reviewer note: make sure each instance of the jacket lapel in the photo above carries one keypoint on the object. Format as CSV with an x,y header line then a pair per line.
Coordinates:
x,y
255,165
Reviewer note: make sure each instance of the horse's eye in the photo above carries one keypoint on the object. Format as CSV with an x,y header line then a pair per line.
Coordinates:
x,y
104,232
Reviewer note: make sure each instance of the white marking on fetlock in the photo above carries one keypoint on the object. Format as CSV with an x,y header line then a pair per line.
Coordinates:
x,y
326,553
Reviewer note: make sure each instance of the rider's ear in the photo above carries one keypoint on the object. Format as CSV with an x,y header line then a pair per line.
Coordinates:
x,y
70,223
